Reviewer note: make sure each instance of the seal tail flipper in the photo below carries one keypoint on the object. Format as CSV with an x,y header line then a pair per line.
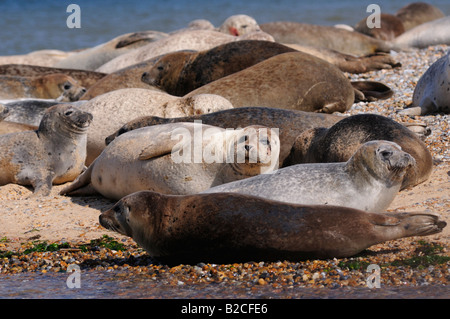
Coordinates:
x,y
417,223
80,182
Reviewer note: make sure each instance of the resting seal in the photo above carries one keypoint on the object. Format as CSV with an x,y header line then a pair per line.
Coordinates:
x,y
51,86
431,33
432,92
368,181
129,77
197,40
339,142
417,13
227,228
155,158
390,27
290,123
93,58
83,77
11,127
239,24
179,73
53,154
291,81
348,42
114,109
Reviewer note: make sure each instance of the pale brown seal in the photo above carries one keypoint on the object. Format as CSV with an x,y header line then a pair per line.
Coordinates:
x,y
53,154
129,77
227,228
353,43
290,123
368,181
114,109
430,33
417,13
291,81
179,73
50,86
93,58
432,91
340,141
186,40
178,158
239,24
390,27
85,78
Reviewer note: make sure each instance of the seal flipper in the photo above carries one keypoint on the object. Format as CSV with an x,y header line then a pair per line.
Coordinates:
x,y
371,91
80,182
412,224
161,145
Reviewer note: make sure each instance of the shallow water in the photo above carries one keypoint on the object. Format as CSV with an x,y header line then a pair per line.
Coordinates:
x,y
31,25
109,285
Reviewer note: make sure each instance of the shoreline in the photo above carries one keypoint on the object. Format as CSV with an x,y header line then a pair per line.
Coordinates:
x,y
58,219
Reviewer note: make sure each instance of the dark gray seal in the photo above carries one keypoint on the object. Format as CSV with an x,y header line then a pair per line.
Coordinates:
x,y
339,142
227,228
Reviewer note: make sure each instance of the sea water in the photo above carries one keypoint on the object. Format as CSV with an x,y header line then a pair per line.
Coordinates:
x,y
30,25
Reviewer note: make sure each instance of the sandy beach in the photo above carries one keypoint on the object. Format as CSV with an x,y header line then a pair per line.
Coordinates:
x,y
56,219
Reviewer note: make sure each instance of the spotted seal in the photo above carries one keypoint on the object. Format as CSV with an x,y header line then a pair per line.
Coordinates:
x,y
227,228
179,158
340,141
368,181
50,86
53,154
432,91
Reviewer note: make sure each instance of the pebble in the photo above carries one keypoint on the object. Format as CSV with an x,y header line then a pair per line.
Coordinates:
x,y
392,257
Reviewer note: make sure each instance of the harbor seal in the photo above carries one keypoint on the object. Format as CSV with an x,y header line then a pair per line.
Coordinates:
x,y
84,78
11,127
114,109
4,111
431,33
179,73
432,91
196,40
239,24
29,111
129,77
53,154
416,13
155,158
227,228
290,123
291,80
368,181
340,141
348,42
50,86
391,27
93,58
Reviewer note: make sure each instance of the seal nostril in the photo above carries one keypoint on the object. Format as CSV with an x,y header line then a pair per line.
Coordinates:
x,y
247,147
144,75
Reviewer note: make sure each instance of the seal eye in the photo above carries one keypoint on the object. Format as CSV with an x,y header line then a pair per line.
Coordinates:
x,y
68,113
265,141
386,154
67,86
